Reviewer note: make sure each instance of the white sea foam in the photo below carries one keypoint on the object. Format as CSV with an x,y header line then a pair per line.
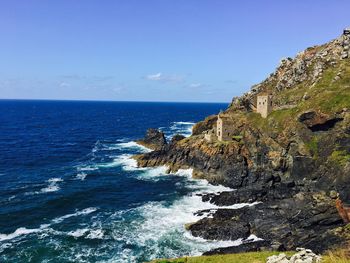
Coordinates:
x,y
22,231
126,161
86,168
153,174
132,145
181,127
78,232
52,187
81,176
163,227
184,123
95,234
85,211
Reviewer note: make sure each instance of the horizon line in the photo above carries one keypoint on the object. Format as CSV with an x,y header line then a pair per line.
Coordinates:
x,y
87,100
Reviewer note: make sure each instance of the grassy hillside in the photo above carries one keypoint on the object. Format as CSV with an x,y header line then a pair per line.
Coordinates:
x,y
339,256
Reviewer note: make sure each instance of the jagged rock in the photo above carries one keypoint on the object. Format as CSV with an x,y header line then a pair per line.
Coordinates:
x,y
154,139
176,138
303,219
205,125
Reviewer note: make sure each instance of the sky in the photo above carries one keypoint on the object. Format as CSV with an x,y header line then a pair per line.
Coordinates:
x,y
154,50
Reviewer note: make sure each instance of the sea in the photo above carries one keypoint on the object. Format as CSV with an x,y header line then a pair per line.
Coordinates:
x,y
71,192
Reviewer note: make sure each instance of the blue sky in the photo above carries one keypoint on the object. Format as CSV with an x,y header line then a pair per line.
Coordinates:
x,y
154,50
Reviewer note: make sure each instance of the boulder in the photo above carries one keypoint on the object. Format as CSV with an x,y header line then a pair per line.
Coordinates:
x,y
302,256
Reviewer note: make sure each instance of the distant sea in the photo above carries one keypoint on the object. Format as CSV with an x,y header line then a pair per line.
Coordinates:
x,y
69,191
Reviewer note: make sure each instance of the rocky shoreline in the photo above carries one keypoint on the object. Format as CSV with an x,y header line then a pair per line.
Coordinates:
x,y
296,162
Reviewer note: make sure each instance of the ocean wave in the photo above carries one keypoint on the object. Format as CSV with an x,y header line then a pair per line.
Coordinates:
x,y
85,211
22,231
121,145
87,233
86,168
95,234
81,176
162,230
78,232
152,173
130,145
126,161
181,127
51,187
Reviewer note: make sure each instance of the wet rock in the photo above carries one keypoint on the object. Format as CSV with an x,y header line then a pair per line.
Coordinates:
x,y
302,220
245,247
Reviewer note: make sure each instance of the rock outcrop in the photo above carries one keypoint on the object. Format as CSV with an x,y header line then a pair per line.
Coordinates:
x,y
154,139
296,161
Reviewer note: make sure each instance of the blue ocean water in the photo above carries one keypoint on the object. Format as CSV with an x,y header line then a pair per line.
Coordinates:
x,y
69,191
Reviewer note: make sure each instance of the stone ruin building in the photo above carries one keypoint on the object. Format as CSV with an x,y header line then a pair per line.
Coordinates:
x,y
264,104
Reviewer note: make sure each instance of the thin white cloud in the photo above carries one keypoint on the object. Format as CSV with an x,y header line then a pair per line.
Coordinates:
x,y
64,84
195,85
157,76
165,77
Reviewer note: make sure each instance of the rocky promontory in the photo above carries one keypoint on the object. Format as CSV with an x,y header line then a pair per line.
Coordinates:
x,y
295,163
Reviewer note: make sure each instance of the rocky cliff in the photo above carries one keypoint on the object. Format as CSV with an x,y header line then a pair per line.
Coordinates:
x,y
296,162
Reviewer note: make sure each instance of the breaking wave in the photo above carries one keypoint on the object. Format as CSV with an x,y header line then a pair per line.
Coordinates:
x,y
21,231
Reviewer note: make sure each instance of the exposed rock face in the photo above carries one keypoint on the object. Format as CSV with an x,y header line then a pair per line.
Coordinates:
x,y
177,138
296,161
317,121
302,219
154,139
205,125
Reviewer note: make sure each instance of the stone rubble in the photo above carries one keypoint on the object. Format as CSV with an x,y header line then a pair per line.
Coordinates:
x,y
302,256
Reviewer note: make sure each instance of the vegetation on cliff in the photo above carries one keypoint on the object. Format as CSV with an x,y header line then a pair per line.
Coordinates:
x,y
296,161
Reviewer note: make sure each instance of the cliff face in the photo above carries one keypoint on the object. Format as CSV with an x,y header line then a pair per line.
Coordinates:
x,y
296,161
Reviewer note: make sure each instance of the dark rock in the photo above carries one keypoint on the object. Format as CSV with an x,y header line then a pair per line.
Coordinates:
x,y
225,226
176,138
301,221
154,139
245,247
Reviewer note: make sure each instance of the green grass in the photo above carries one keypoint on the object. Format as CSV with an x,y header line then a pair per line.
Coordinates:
x,y
237,138
337,256
340,157
312,145
249,257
